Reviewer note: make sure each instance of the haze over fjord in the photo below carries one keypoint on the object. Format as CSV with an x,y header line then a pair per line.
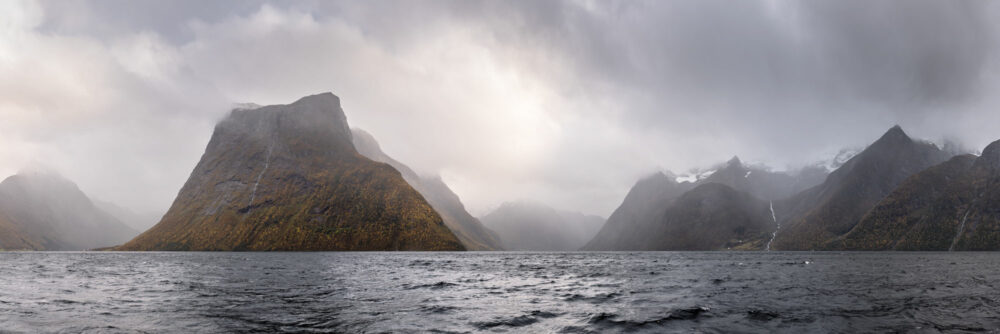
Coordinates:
x,y
567,103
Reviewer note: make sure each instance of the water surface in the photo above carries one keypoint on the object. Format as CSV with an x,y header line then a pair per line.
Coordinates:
x,y
652,292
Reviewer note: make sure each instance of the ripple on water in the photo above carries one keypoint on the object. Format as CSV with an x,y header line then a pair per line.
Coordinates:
x,y
499,292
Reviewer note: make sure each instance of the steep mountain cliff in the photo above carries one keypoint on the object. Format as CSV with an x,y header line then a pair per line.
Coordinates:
x,y
951,206
532,226
40,210
467,228
831,209
287,177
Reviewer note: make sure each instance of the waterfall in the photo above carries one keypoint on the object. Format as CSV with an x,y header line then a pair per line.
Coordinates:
x,y
776,228
267,163
961,228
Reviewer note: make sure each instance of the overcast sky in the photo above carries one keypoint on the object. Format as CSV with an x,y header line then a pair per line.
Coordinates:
x,y
567,103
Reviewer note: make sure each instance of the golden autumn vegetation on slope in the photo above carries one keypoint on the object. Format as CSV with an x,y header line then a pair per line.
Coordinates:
x,y
919,215
12,237
469,230
287,178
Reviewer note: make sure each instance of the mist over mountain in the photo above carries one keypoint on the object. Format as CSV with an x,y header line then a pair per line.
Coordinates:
x,y
288,177
468,229
41,210
137,221
640,212
951,206
528,225
763,183
649,218
712,216
807,208
834,207
575,95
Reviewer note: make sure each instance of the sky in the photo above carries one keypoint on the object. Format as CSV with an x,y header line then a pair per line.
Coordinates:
x,y
567,103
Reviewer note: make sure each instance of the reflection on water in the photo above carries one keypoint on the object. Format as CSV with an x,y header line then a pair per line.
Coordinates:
x,y
496,292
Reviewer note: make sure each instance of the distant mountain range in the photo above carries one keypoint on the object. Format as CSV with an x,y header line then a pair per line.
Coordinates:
x,y
898,193
296,177
531,226
288,177
41,210
660,213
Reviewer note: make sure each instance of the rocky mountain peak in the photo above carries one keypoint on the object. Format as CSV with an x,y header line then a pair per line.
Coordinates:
x,y
43,181
991,156
288,177
893,137
734,162
324,100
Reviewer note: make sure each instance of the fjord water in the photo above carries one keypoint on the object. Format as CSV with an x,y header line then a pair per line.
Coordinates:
x,y
496,292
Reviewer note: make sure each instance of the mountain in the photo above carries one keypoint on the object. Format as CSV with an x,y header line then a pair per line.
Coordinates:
x,y
643,207
762,182
532,226
712,216
952,206
468,229
41,210
13,236
831,209
287,177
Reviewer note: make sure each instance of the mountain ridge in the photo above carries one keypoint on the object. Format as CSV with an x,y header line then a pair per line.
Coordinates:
x,y
832,208
469,230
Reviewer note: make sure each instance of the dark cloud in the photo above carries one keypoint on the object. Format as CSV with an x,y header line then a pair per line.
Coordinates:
x,y
566,102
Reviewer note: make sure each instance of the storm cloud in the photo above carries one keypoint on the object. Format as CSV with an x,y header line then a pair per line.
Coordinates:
x,y
567,103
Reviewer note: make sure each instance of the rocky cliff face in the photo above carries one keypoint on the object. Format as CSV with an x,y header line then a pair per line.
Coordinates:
x,y
41,210
469,230
287,177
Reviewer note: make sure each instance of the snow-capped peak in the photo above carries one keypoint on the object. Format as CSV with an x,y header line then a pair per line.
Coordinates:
x,y
839,159
695,176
